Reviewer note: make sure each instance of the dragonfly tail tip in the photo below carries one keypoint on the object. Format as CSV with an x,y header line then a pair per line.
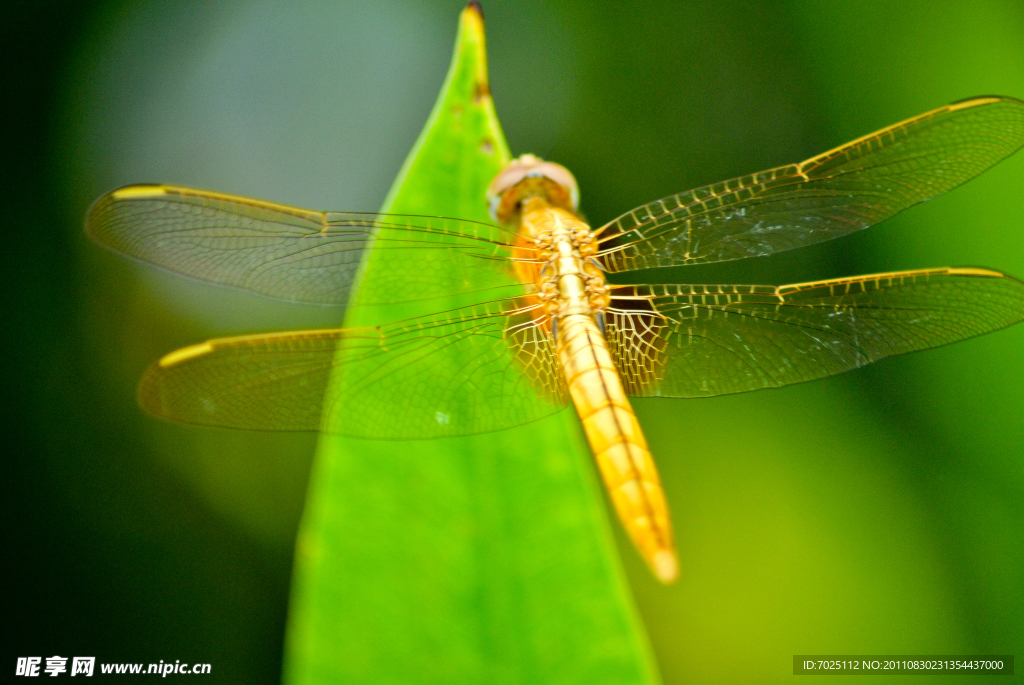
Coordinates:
x,y
665,566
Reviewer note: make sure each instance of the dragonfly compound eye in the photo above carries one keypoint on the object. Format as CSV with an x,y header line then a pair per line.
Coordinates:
x,y
530,176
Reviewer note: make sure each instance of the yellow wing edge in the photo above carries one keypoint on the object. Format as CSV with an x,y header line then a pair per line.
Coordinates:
x,y
151,190
945,109
621,291
890,276
185,353
190,352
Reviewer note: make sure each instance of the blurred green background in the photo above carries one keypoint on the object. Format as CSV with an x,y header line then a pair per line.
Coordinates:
x,y
877,512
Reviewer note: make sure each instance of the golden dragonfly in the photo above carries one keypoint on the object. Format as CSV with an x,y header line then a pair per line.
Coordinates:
x,y
541,325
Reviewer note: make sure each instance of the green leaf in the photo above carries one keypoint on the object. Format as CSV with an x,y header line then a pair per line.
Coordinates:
x,y
480,559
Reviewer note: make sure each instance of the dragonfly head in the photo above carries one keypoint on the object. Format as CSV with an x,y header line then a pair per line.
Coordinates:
x,y
530,176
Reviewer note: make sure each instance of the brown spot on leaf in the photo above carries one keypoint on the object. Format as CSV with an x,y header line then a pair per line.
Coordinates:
x,y
481,91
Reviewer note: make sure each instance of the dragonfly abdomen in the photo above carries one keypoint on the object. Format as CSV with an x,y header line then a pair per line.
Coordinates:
x,y
617,442
575,295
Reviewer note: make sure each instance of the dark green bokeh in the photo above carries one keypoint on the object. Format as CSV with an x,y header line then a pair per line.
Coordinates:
x,y
880,511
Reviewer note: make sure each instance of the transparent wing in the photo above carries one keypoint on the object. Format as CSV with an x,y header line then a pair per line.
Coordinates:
x,y
471,370
702,340
838,192
301,255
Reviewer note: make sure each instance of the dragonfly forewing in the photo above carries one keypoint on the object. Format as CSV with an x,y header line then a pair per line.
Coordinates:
x,y
835,193
302,255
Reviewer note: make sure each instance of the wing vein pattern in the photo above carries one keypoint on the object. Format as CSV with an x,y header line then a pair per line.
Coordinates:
x,y
470,370
835,193
302,255
704,340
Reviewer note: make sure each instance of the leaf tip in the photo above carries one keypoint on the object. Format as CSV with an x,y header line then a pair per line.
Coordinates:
x,y
475,7
471,25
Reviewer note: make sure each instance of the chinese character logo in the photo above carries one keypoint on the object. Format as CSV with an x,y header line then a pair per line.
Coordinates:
x,y
83,665
28,665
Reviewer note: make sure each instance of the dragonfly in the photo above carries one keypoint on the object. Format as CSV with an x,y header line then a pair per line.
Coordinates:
x,y
539,324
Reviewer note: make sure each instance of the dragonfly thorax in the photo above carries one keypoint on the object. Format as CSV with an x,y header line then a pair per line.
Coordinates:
x,y
569,280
